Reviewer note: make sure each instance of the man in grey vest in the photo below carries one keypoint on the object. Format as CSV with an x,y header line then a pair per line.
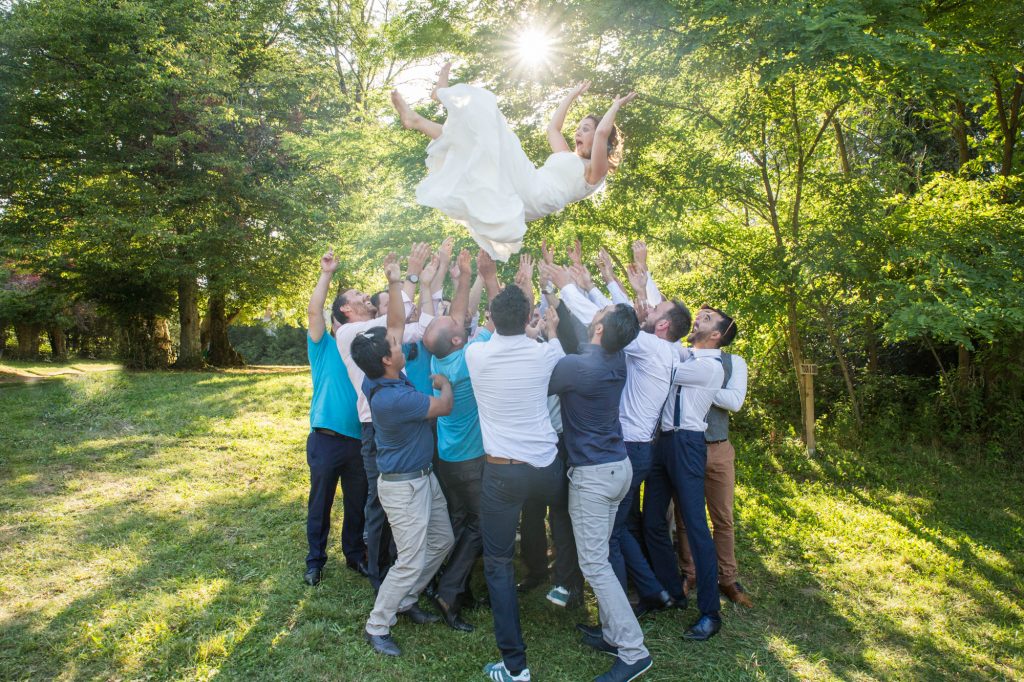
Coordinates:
x,y
720,482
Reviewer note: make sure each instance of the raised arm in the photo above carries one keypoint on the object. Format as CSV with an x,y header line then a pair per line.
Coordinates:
x,y
444,257
426,290
460,302
487,269
315,310
555,137
418,257
599,151
524,276
396,308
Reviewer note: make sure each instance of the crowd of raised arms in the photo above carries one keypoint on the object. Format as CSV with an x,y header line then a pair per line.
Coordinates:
x,y
451,435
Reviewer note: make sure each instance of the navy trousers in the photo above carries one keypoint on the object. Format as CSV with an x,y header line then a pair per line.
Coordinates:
x,y
380,547
680,458
624,551
330,459
461,483
506,488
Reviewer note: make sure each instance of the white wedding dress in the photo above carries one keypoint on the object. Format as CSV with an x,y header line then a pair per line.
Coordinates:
x,y
479,175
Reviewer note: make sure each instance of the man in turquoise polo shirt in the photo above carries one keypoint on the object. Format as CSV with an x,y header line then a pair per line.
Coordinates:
x,y
333,444
460,447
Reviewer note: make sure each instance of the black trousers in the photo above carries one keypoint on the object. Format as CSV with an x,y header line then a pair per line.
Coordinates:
x,y
533,537
461,482
380,546
330,459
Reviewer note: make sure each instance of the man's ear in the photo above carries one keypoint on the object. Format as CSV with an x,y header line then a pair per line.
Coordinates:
x,y
458,340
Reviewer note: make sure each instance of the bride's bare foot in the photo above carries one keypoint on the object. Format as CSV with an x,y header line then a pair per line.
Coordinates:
x,y
406,115
442,80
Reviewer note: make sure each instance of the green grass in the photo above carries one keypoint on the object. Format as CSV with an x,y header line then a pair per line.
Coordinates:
x,y
152,527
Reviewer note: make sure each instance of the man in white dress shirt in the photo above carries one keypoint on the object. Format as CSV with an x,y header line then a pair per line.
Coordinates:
x,y
680,459
510,375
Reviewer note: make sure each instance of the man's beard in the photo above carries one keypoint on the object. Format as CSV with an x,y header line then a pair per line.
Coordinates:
x,y
649,325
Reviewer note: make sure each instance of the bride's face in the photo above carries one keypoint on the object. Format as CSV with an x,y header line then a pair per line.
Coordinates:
x,y
585,137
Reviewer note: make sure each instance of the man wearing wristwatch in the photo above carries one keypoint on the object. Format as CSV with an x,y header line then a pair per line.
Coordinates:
x,y
333,444
407,487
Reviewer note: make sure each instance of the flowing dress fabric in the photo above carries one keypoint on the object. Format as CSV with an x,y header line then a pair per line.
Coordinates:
x,y
479,175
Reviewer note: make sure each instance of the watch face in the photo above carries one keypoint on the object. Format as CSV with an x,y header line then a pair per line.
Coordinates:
x,y
413,278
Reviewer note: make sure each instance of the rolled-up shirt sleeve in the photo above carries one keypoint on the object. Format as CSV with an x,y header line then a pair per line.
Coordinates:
x,y
732,395
581,307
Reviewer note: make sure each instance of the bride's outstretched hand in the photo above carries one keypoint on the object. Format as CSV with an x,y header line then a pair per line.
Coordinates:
x,y
623,101
580,89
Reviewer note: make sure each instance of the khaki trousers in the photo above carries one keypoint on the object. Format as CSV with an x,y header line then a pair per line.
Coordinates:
x,y
719,491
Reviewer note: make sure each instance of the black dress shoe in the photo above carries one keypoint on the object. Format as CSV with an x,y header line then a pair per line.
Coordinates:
x,y
452,618
359,567
654,604
531,582
382,644
598,644
314,576
705,628
418,615
590,630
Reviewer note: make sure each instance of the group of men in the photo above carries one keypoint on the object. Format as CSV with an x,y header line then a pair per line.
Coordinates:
x,y
449,437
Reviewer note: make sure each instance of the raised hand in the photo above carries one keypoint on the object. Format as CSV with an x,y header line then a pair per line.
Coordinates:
x,y
533,328
605,266
620,102
551,322
328,263
485,265
391,269
464,265
430,269
637,278
445,251
575,253
558,274
640,253
582,277
439,381
580,89
545,252
418,258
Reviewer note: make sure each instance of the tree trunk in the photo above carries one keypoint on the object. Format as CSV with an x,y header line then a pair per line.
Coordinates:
x,y
221,353
58,343
3,338
871,345
28,340
963,358
145,343
190,349
844,157
796,354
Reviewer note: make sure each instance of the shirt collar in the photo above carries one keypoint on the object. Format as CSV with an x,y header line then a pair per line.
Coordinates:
x,y
706,352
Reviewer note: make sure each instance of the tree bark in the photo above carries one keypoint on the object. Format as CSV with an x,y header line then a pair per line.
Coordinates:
x,y
58,343
3,337
963,359
871,345
190,349
844,157
221,353
796,353
145,342
28,340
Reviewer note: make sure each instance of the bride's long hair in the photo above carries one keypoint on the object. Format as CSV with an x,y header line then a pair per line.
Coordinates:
x,y
615,142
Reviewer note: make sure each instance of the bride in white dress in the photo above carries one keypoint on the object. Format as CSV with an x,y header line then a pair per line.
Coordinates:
x,y
479,175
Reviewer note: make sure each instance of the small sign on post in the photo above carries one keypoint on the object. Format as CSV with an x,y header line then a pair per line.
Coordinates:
x,y
807,372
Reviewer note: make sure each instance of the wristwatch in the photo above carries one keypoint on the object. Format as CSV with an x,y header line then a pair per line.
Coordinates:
x,y
549,288
414,278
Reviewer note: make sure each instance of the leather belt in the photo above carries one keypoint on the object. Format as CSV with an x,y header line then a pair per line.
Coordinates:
x,y
328,432
408,476
716,442
502,460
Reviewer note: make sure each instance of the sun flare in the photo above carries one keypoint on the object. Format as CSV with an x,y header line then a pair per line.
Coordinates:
x,y
534,47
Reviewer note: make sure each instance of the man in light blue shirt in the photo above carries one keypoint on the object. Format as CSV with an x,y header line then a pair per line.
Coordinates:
x,y
460,447
333,444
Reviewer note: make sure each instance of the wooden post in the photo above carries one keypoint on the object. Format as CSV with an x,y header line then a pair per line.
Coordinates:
x,y
807,372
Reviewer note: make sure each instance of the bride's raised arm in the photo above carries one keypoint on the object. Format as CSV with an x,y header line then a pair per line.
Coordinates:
x,y
599,151
555,137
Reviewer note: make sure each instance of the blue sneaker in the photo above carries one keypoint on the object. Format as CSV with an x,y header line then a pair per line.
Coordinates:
x,y
499,673
559,596
625,672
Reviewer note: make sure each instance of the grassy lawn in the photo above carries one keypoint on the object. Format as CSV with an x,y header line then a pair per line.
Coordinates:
x,y
152,527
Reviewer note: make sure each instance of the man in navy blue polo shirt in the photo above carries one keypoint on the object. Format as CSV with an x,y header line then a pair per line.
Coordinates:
x,y
590,387
333,444
407,487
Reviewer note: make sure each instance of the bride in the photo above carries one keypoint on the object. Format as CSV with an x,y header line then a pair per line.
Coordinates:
x,y
479,175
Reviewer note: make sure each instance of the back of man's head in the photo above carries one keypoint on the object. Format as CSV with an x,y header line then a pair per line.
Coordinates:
x,y
621,326
439,337
369,349
679,321
336,306
510,311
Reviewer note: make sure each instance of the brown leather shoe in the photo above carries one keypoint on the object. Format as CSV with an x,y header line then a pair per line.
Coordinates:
x,y
737,595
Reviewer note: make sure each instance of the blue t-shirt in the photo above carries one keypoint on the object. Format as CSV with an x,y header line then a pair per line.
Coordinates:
x,y
334,400
417,368
405,442
458,434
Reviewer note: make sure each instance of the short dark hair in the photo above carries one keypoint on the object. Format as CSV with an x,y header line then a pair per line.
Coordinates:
x,y
727,327
679,321
510,310
336,313
375,299
620,328
369,348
